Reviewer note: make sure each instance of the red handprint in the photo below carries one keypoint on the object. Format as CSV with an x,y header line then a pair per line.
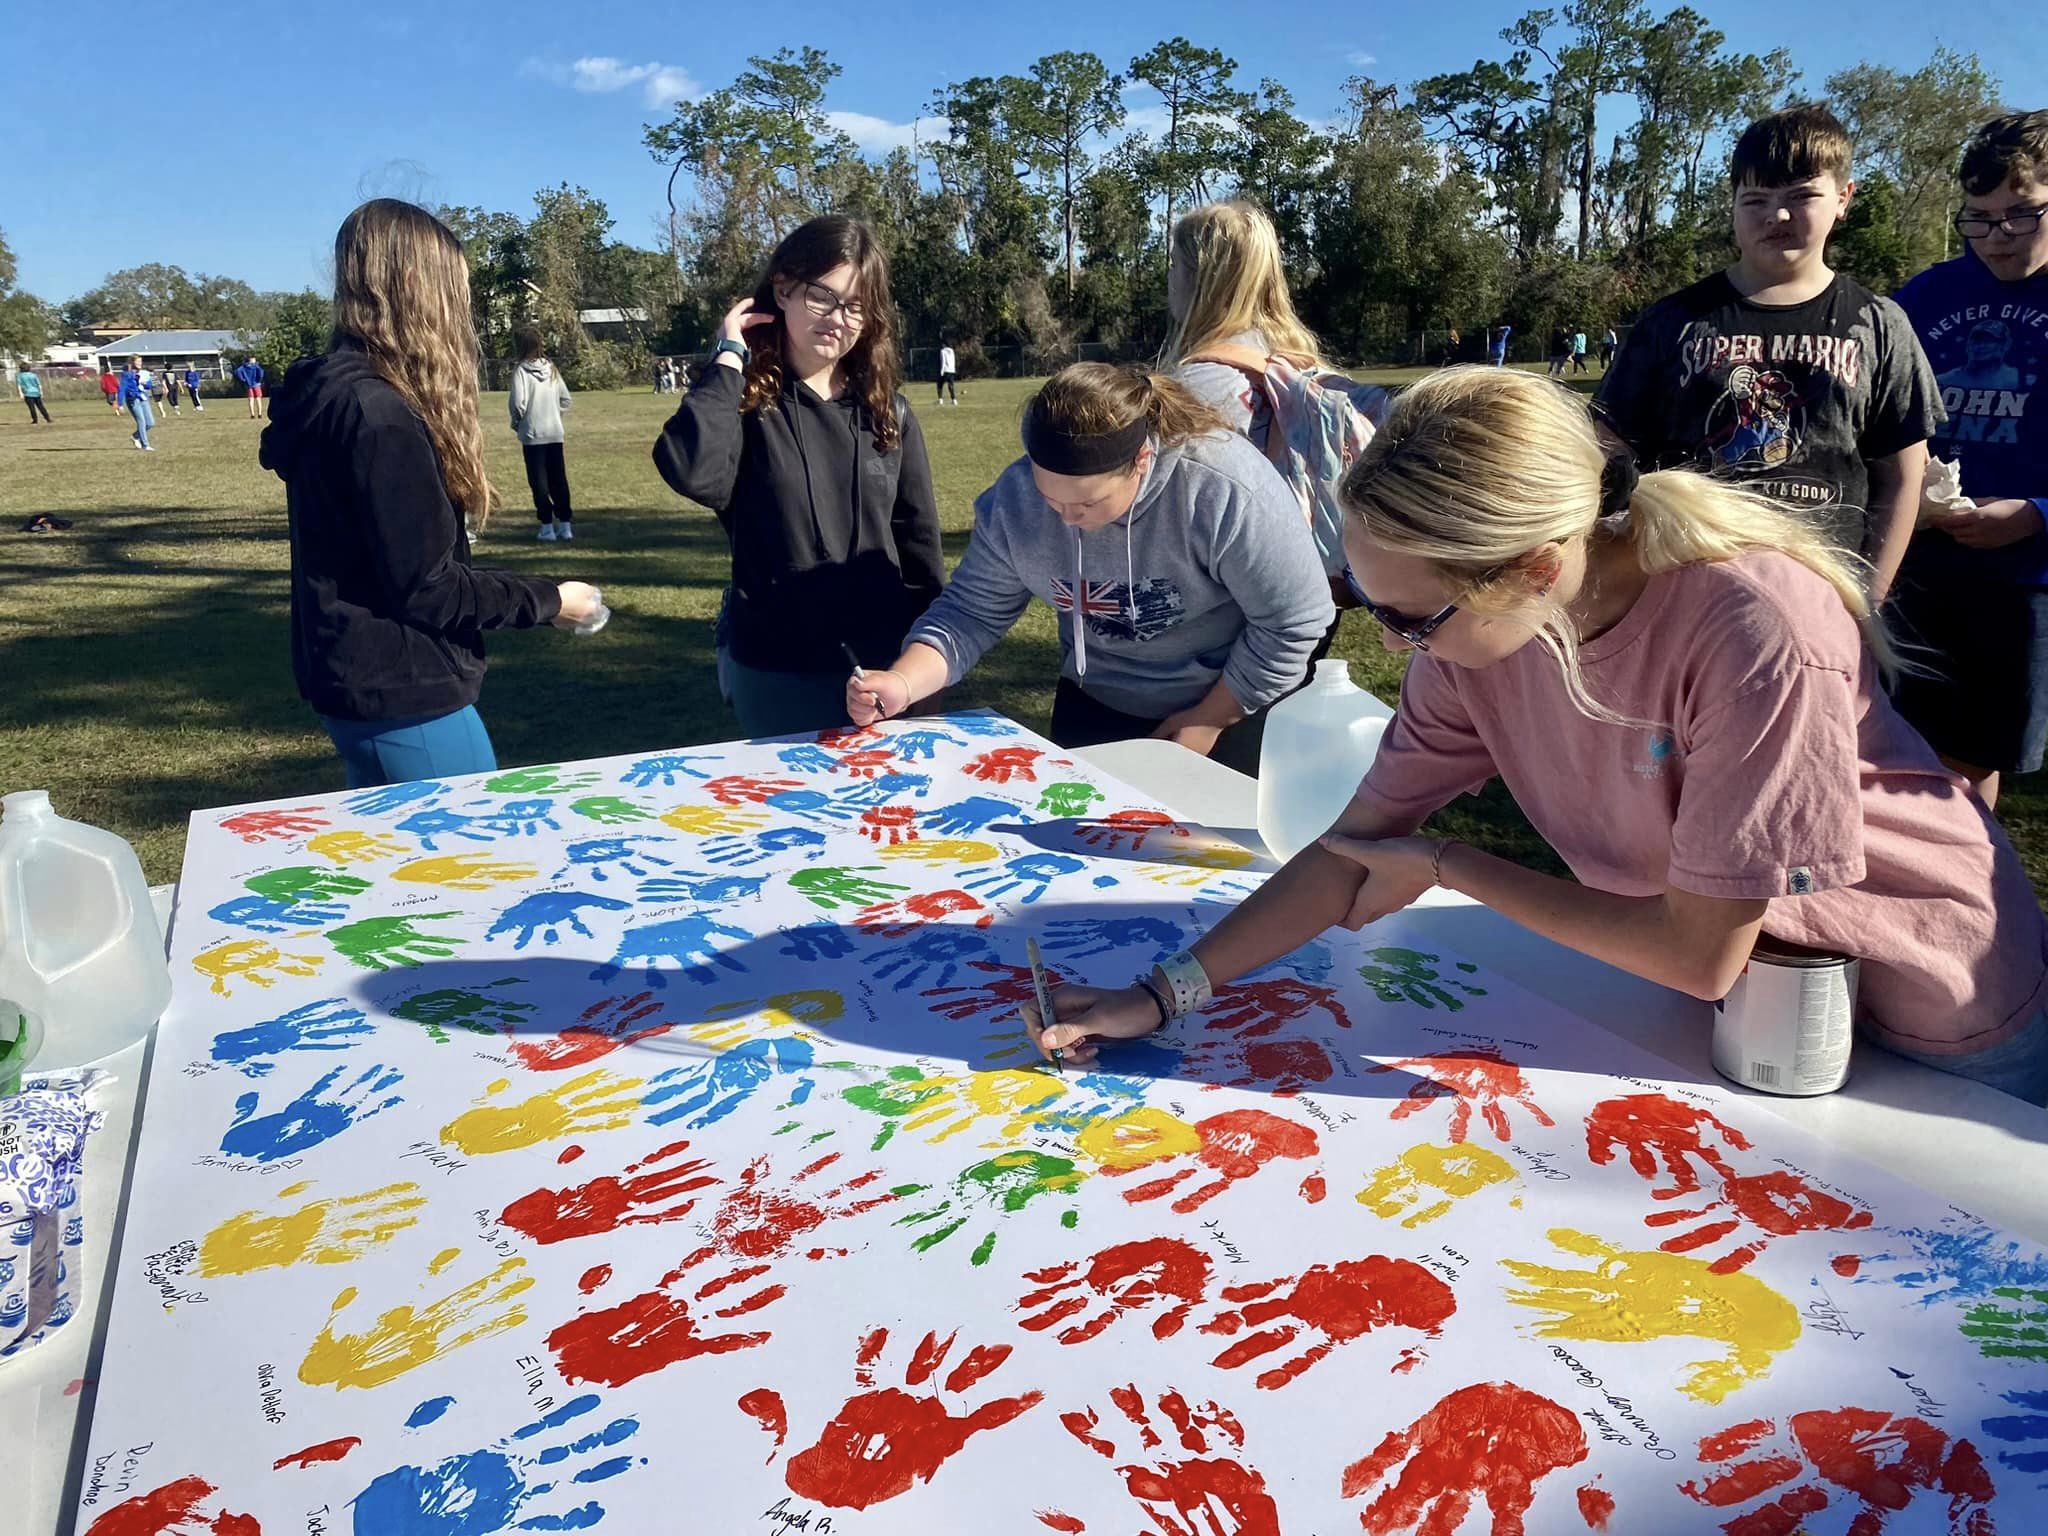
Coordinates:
x,y
1128,1277
1119,827
1281,1067
1777,1204
1338,1302
1004,764
1492,1440
900,919
1884,1462
885,1440
868,764
173,1508
1656,1128
1211,1494
665,1191
1253,1008
259,826
1475,1075
605,1026
759,1221
891,824
1233,1145
744,789
1011,989
849,738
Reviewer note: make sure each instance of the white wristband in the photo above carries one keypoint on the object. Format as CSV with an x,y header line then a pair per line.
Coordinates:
x,y
1186,983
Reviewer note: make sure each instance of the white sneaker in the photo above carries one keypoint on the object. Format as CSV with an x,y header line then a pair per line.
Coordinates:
x,y
149,447
566,532
547,533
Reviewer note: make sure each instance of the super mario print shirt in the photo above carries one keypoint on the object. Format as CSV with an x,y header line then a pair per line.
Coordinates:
x,y
1792,400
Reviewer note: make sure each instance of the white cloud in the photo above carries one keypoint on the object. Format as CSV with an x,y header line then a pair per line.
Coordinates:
x,y
878,135
660,84
1361,59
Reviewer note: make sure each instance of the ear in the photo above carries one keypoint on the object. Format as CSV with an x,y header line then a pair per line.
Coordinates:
x,y
1541,567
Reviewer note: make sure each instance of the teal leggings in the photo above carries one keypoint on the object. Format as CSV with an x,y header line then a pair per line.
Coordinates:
x,y
425,747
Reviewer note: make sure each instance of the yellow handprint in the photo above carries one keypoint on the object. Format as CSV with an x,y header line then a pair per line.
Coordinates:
x,y
712,820
404,1338
1399,1189
785,1014
463,872
356,847
248,959
1629,1296
944,850
941,1106
330,1231
596,1101
1207,853
1135,1138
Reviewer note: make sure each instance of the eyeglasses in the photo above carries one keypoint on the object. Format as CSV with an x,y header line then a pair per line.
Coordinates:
x,y
1402,625
2021,221
824,303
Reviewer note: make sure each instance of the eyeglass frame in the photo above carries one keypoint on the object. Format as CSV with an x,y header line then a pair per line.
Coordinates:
x,y
2002,224
854,310
1397,624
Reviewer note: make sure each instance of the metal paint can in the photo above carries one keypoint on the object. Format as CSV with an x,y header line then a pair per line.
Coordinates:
x,y
1787,1024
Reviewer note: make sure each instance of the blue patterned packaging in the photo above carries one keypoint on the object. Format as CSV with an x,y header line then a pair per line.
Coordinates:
x,y
43,1131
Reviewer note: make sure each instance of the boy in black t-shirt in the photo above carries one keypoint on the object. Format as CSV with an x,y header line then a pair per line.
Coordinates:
x,y
1779,372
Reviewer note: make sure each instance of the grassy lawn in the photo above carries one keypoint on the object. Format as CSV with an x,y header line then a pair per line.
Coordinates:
x,y
145,656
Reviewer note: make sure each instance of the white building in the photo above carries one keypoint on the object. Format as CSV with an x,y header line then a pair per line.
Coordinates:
x,y
208,351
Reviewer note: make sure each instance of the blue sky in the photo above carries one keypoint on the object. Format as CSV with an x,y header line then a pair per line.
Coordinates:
x,y
244,131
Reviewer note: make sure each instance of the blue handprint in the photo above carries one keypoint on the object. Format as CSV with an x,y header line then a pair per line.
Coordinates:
x,y
690,886
815,941
309,1119
519,818
762,846
663,769
913,746
484,1491
441,822
685,942
966,817
811,802
392,797
267,914
2023,1429
1081,938
544,913
597,854
704,1094
943,948
809,758
328,1025
1030,873
983,725
1312,962
886,787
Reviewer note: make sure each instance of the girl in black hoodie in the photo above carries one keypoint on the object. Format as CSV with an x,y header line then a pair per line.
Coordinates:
x,y
797,437
380,448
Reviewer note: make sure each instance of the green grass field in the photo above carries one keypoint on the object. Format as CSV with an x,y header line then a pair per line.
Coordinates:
x,y
145,656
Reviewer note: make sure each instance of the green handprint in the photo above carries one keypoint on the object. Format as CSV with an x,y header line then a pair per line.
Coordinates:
x,y
906,1092
2017,1332
480,1012
1008,1182
1408,976
829,888
304,880
1070,799
544,779
608,810
380,943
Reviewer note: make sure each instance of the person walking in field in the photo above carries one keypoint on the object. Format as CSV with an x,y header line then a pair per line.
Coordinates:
x,y
251,375
169,380
29,385
110,388
949,376
1579,364
135,401
1497,347
1608,344
192,388
537,399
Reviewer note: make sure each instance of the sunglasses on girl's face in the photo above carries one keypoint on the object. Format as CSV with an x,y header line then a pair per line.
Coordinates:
x,y
1405,626
824,303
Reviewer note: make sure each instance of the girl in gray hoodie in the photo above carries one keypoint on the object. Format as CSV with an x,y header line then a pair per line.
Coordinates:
x,y
1187,586
537,400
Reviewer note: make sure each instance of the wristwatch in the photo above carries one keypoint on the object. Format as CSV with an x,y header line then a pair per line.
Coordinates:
x,y
738,349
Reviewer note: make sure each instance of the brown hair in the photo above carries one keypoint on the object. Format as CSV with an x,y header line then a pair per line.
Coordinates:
x,y
526,343
401,295
1791,145
1095,399
805,255
2008,148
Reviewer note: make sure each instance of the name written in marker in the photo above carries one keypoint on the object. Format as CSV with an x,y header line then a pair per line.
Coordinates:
x,y
434,1156
1230,1249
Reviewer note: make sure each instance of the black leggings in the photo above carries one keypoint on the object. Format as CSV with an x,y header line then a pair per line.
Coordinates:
x,y
1079,720
35,405
548,477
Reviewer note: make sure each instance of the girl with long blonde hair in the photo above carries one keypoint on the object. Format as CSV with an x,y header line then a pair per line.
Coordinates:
x,y
380,447
1682,685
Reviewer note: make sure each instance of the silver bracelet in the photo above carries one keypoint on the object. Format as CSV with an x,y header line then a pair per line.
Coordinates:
x,y
1186,983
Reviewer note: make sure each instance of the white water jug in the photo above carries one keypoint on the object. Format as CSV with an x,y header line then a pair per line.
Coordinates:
x,y
80,950
1318,744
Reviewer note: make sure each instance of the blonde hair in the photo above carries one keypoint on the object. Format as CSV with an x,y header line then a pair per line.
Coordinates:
x,y
1231,254
1094,399
401,294
1477,468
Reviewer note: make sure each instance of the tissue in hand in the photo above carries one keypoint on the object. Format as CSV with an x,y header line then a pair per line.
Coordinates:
x,y
1942,488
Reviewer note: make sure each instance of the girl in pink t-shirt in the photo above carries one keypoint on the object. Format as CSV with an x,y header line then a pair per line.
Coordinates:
x,y
1682,685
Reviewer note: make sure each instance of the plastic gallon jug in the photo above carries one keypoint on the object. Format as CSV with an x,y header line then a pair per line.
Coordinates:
x,y
1318,744
80,951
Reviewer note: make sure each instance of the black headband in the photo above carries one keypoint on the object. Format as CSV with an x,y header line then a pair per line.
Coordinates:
x,y
1618,479
1067,453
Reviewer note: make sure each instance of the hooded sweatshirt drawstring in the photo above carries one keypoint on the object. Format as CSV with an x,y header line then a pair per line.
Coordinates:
x,y
1080,610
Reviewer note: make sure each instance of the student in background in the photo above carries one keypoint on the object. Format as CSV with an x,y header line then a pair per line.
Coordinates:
x,y
110,388
1497,348
1188,591
192,382
169,380
29,385
798,439
251,375
134,399
537,399
1609,342
1974,586
1560,351
1780,373
381,452
1700,730
949,374
1579,352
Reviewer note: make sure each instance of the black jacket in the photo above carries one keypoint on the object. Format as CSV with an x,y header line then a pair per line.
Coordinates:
x,y
388,614
832,542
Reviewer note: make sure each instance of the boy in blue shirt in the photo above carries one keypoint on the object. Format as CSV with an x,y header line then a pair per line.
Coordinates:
x,y
251,375
134,398
1975,583
31,390
192,388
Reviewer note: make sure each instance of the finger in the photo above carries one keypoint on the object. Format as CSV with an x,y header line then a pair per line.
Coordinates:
x,y
1357,849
